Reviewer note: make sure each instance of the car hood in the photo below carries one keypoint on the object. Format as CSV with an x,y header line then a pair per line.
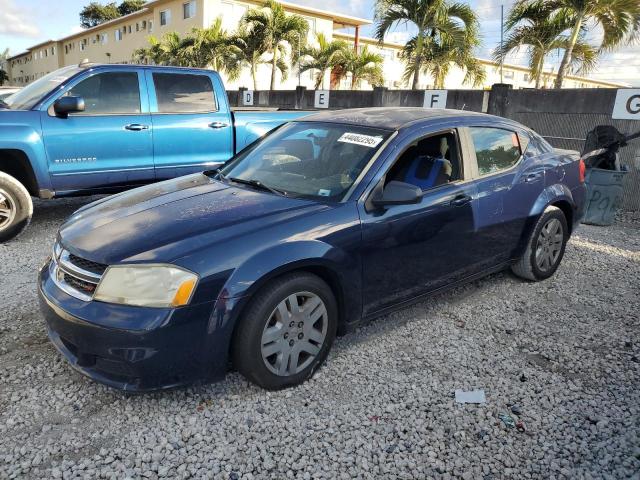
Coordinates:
x,y
165,221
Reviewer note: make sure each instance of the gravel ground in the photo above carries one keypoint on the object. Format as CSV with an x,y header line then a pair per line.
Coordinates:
x,y
562,356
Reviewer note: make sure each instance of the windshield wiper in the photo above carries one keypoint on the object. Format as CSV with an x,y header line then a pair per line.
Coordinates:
x,y
258,184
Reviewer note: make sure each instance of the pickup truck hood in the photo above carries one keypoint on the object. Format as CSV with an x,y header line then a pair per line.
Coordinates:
x,y
168,220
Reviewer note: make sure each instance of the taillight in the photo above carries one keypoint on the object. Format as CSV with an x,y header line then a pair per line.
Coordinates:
x,y
582,169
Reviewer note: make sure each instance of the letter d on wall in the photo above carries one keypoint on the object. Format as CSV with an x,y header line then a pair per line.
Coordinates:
x,y
627,106
247,98
435,99
321,99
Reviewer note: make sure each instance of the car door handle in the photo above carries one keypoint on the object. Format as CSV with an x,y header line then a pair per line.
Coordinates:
x,y
460,200
136,127
218,125
532,177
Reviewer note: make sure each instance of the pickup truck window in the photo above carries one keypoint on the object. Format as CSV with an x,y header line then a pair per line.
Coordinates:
x,y
109,93
184,93
29,96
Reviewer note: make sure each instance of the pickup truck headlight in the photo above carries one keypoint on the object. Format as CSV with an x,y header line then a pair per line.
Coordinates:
x,y
147,285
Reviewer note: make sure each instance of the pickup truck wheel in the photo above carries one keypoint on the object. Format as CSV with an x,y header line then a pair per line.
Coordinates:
x,y
545,247
286,331
16,207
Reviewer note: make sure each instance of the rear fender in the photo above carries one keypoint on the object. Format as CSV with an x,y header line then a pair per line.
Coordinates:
x,y
552,194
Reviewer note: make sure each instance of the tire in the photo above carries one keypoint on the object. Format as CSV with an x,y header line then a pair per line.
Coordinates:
x,y
545,247
16,207
272,331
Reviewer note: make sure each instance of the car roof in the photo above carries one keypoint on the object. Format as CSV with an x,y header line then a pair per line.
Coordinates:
x,y
391,118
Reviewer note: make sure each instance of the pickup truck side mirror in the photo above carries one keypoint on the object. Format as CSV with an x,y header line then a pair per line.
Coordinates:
x,y
398,193
66,105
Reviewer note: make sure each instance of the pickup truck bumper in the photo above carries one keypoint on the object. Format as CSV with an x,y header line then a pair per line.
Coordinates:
x,y
159,349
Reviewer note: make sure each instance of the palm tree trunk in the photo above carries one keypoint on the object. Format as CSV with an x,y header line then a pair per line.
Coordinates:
x,y
539,72
354,79
273,69
566,59
418,62
253,75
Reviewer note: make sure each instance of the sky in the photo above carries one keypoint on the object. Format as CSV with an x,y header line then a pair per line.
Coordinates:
x,y
24,23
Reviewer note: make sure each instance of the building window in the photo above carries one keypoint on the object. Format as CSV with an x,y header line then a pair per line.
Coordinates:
x,y
165,17
508,74
189,9
137,27
104,38
527,78
53,51
118,35
82,45
150,26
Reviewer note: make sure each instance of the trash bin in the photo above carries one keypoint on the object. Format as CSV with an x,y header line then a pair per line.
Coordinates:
x,y
604,195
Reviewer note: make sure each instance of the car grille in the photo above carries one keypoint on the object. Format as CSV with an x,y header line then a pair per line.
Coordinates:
x,y
77,276
93,267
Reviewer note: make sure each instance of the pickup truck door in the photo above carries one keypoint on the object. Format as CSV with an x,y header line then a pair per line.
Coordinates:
x,y
192,124
109,145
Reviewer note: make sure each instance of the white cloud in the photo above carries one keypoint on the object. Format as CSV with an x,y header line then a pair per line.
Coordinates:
x,y
15,21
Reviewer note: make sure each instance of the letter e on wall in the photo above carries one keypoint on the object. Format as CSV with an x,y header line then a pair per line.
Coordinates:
x,y
321,99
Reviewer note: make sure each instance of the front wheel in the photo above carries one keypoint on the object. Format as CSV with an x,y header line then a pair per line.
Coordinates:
x,y
286,332
16,207
545,247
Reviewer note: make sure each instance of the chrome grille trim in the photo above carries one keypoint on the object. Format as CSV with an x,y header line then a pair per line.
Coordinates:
x,y
62,266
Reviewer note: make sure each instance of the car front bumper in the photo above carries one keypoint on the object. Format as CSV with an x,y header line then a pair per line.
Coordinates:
x,y
135,349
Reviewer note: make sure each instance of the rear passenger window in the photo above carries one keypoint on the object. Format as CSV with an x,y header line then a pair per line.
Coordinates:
x,y
109,93
496,149
184,93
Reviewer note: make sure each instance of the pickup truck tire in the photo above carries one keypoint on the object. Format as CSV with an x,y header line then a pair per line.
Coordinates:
x,y
545,247
16,207
286,331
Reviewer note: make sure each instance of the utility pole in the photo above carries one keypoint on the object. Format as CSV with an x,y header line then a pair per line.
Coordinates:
x,y
501,38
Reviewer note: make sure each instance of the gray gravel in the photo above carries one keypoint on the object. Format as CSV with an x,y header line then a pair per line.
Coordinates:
x,y
562,356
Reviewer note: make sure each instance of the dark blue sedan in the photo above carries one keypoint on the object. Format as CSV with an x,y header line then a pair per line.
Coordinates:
x,y
324,223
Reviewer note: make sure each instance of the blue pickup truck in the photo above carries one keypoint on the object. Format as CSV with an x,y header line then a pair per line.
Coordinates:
x,y
92,128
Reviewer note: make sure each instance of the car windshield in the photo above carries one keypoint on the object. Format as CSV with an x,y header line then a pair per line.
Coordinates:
x,y
30,95
307,159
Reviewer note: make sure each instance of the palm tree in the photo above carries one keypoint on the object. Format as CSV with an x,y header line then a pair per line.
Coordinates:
x,y
530,27
4,77
278,30
363,65
170,50
323,57
248,52
437,59
441,26
618,19
214,47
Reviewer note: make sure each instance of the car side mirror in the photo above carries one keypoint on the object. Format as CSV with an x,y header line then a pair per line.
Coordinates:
x,y
398,193
66,105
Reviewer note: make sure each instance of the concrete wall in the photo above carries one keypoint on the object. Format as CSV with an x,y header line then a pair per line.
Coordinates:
x,y
563,117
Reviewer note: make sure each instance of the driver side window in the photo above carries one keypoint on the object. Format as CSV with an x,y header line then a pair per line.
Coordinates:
x,y
429,162
109,93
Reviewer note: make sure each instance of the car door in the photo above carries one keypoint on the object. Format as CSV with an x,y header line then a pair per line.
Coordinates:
x,y
412,249
109,143
192,127
509,180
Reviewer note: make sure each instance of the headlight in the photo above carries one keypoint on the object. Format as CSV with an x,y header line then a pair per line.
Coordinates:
x,y
147,285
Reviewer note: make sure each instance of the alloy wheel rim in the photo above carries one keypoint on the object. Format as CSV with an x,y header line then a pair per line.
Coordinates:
x,y
294,334
549,245
7,209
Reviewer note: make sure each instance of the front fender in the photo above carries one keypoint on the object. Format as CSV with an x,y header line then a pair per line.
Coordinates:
x,y
257,270
27,138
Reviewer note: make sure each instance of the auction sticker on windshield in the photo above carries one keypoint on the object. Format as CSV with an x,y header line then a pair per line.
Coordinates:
x,y
359,139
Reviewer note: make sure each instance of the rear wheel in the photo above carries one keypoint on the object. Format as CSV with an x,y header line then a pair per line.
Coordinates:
x,y
286,331
545,247
16,207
